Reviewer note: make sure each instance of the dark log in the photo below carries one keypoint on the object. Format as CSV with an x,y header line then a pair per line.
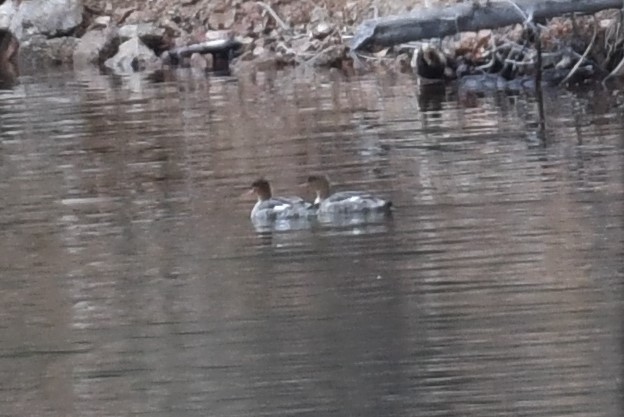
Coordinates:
x,y
219,46
467,17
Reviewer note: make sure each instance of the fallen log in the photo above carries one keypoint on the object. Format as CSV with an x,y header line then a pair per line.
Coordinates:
x,y
222,50
209,47
467,17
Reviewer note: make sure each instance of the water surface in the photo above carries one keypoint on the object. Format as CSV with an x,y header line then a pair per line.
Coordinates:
x,y
133,283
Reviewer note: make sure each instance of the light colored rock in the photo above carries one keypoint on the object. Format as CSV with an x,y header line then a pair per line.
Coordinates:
x,y
213,35
267,63
605,23
319,14
330,56
8,10
247,40
209,61
198,62
102,21
40,51
223,20
141,16
150,34
40,17
133,56
258,51
94,47
229,17
171,26
301,45
484,33
322,29
122,13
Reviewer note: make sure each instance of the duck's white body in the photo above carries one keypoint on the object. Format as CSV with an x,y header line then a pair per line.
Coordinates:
x,y
351,202
281,208
345,202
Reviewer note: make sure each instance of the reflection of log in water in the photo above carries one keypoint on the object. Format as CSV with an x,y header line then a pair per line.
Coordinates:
x,y
9,47
538,81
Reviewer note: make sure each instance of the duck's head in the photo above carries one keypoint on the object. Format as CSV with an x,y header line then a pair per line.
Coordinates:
x,y
261,188
320,185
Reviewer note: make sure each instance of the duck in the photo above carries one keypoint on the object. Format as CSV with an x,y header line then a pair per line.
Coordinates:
x,y
344,202
269,208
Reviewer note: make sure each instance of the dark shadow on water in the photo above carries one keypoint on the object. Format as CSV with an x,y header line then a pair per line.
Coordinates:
x,y
432,97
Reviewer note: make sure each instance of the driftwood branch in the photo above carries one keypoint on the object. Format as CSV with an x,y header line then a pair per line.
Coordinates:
x,y
467,17
274,15
582,59
209,47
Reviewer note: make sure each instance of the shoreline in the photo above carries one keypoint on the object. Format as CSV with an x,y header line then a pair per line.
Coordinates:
x,y
244,37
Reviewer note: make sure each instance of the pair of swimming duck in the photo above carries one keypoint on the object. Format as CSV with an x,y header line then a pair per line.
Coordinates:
x,y
345,203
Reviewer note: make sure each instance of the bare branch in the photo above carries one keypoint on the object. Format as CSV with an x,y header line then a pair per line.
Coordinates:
x,y
273,14
580,61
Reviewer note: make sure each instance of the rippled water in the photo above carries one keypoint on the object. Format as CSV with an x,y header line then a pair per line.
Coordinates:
x,y
133,283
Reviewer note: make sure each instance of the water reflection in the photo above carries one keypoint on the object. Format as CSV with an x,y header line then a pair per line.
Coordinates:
x,y
134,283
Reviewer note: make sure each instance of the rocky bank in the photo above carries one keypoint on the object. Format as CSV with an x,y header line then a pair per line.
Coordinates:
x,y
127,36
123,36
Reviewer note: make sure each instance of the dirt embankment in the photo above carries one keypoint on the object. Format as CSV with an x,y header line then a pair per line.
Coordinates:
x,y
273,33
245,35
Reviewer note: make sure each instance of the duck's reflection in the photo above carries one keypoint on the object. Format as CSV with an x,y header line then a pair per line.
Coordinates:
x,y
289,232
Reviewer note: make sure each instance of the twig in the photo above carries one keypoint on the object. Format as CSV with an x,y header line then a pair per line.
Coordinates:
x,y
319,53
619,66
616,71
287,50
538,61
609,33
520,63
375,11
580,61
493,60
315,57
275,16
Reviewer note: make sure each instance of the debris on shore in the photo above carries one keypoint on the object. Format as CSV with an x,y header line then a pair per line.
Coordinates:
x,y
246,36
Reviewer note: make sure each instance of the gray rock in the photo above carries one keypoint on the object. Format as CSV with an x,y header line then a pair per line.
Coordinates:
x,y
102,21
331,55
40,51
95,47
198,62
8,10
322,30
150,34
133,56
40,17
213,35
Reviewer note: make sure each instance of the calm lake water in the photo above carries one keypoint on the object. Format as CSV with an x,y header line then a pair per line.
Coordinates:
x,y
133,283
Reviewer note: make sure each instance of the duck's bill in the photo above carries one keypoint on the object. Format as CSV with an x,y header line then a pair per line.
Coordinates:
x,y
247,193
